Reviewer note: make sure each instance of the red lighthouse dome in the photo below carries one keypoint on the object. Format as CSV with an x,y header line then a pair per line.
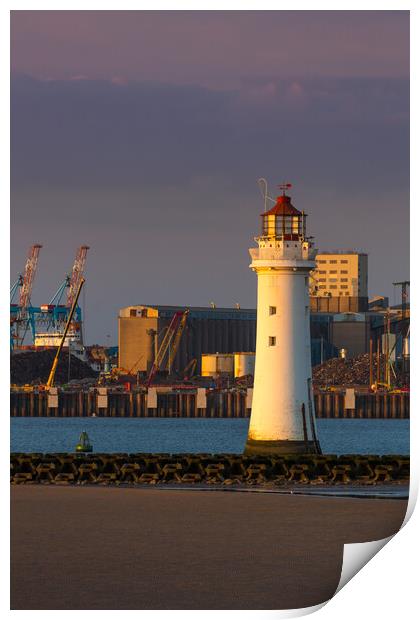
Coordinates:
x,y
284,221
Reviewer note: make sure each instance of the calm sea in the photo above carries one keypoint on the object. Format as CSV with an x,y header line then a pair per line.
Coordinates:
x,y
196,435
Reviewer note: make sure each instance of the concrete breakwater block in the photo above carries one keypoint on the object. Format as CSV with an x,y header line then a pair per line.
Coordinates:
x,y
216,469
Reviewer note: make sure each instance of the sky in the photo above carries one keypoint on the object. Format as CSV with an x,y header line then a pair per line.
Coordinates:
x,y
142,134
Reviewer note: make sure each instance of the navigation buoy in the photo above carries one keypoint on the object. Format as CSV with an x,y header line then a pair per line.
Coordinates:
x,y
84,444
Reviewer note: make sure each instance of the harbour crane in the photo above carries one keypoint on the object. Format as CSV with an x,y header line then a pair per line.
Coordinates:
x,y
20,314
175,327
173,349
50,381
52,317
405,328
76,274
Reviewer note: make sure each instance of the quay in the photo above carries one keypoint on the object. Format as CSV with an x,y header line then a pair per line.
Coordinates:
x,y
194,403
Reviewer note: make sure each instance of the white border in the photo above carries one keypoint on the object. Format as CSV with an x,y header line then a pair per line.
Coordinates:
x,y
387,586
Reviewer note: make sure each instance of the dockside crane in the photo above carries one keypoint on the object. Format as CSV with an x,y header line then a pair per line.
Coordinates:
x,y
173,331
405,328
53,316
50,381
173,348
77,274
20,315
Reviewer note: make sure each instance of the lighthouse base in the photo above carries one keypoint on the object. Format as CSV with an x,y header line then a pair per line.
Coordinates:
x,y
257,447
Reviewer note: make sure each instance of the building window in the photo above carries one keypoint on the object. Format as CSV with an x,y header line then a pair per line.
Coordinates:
x,y
333,262
333,286
272,310
344,286
322,279
322,286
319,271
344,262
321,262
347,293
133,312
271,341
333,270
344,271
344,279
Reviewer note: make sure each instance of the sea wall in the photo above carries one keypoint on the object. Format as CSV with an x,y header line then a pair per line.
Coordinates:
x,y
154,403
219,469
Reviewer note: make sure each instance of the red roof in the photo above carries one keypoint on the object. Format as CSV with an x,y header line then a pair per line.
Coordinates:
x,y
283,206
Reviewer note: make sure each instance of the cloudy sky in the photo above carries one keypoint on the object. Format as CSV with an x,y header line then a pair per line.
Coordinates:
x,y
142,134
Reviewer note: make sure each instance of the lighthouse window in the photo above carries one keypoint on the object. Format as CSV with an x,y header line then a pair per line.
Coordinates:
x,y
271,341
272,310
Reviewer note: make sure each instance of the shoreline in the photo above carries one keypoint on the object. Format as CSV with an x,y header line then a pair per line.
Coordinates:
x,y
92,547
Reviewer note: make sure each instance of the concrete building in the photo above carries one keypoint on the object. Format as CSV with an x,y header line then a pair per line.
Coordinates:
x,y
283,414
208,330
340,282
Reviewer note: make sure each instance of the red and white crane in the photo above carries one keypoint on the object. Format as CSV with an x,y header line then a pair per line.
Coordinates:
x,y
76,274
28,279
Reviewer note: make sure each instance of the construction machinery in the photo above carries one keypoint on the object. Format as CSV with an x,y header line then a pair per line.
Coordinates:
x,y
189,369
405,328
169,344
173,347
50,381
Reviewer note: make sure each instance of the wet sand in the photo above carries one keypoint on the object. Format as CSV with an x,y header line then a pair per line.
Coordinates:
x,y
131,548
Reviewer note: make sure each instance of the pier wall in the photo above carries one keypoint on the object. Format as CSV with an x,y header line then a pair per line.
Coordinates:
x,y
194,404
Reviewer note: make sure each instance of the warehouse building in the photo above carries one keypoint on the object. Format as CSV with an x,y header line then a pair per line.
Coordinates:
x,y
208,330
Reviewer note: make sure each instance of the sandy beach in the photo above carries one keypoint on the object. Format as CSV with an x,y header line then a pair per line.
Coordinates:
x,y
131,548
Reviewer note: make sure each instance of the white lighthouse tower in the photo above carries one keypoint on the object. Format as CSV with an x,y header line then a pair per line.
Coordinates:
x,y
282,417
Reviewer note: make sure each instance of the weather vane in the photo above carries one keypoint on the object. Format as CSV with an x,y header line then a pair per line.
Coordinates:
x,y
284,186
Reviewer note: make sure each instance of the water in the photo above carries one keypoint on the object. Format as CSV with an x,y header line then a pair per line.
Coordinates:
x,y
196,435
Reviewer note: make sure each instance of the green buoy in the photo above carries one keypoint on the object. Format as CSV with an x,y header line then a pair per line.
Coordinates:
x,y
84,444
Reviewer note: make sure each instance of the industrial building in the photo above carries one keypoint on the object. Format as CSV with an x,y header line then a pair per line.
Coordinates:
x,y
340,282
141,330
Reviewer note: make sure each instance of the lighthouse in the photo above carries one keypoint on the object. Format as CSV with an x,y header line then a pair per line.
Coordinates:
x,y
283,416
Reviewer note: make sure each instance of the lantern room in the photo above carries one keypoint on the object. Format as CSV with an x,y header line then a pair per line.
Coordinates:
x,y
284,221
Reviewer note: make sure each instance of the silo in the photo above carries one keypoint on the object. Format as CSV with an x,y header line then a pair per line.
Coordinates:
x,y
244,364
214,364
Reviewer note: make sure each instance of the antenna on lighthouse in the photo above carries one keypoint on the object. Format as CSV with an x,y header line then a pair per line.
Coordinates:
x,y
263,185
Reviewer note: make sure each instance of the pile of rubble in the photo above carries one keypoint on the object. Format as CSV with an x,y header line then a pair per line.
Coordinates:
x,y
354,371
33,367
